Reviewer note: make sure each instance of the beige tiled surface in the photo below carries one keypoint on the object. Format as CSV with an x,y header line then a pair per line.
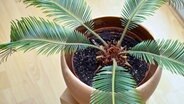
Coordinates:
x,y
31,79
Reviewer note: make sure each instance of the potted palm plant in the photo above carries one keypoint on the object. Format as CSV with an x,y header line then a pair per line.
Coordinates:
x,y
117,59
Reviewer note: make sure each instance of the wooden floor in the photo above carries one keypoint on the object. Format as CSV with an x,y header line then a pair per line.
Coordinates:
x,y
31,79
27,78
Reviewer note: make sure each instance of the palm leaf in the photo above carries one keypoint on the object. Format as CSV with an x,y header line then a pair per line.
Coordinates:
x,y
114,86
177,3
47,37
127,97
71,13
136,11
166,53
4,53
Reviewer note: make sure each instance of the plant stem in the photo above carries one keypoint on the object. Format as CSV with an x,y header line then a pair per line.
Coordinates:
x,y
123,34
63,43
154,55
113,80
95,34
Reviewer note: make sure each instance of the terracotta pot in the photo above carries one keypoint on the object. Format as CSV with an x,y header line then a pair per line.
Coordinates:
x,y
81,92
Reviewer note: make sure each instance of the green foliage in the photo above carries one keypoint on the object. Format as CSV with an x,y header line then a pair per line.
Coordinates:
x,y
165,53
71,13
114,83
136,11
47,37
4,53
179,4
127,97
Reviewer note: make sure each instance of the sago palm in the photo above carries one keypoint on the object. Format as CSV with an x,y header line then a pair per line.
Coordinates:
x,y
60,35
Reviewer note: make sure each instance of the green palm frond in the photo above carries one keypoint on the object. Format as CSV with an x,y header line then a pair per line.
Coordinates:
x,y
71,13
47,37
166,53
114,86
179,4
127,97
4,53
136,11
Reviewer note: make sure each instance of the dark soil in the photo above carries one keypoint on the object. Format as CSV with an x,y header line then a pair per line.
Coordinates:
x,y
85,62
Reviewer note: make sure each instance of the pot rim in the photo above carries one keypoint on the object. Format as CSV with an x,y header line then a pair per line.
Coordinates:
x,y
143,88
118,27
